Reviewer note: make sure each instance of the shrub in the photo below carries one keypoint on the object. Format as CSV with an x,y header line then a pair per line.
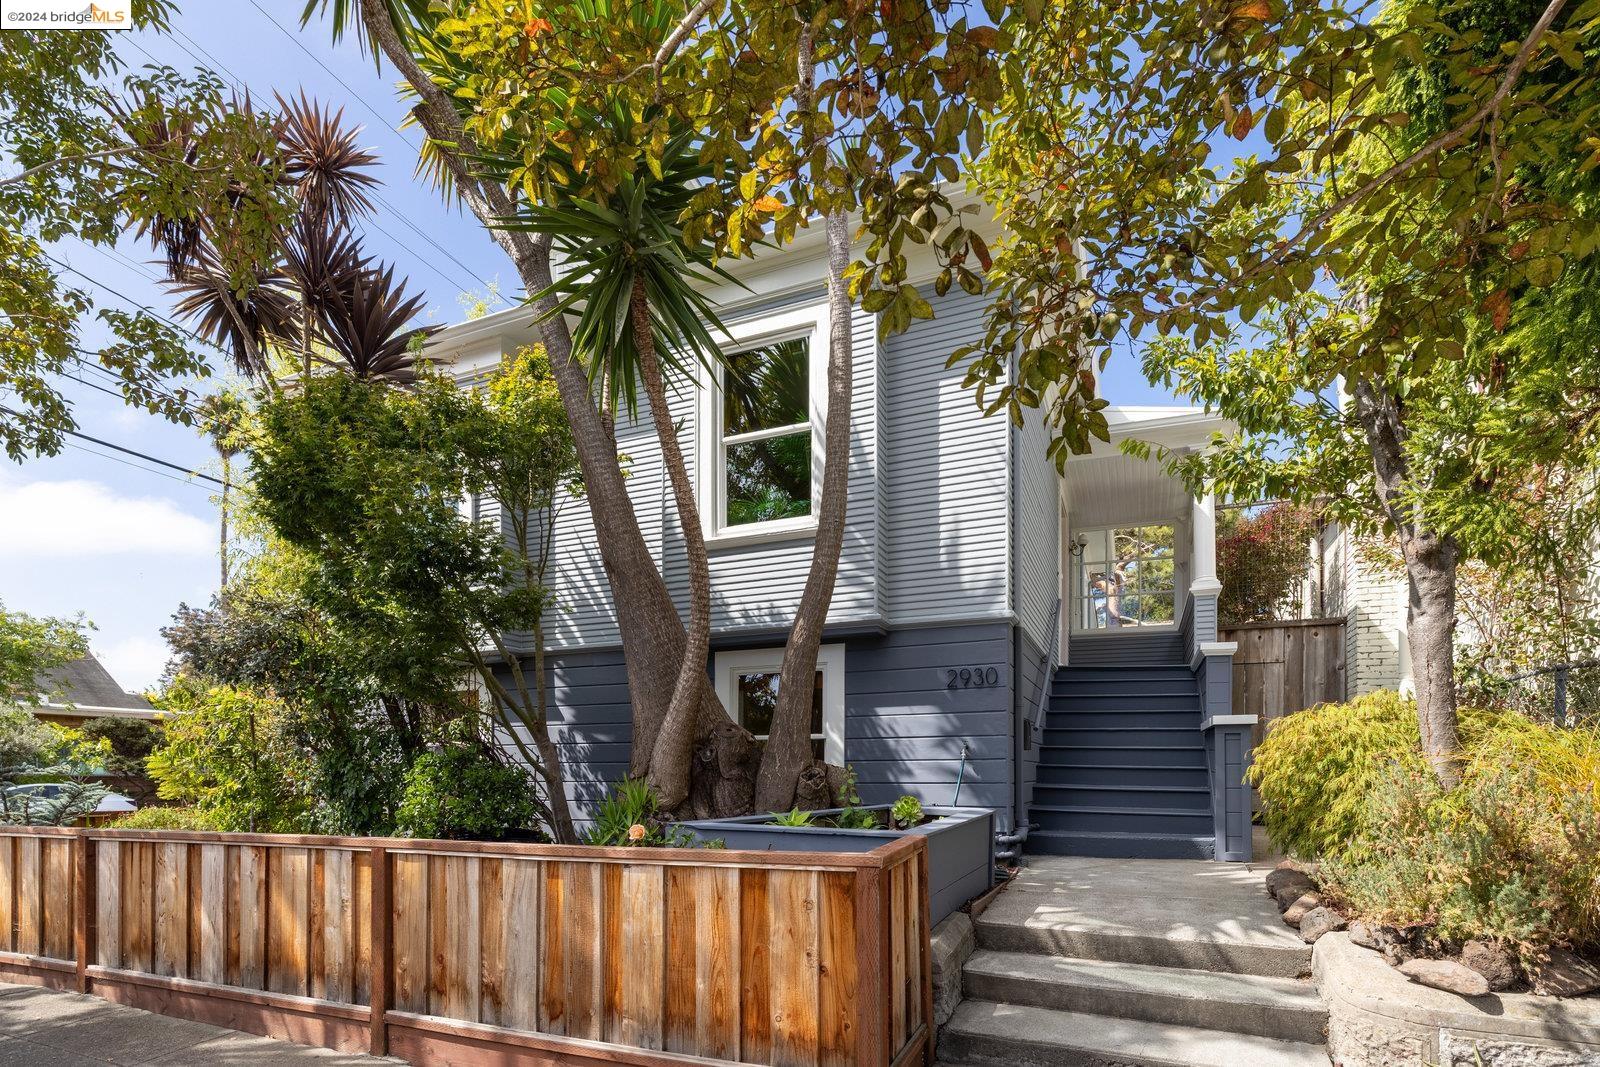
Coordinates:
x,y
631,815
1261,557
1315,769
130,741
464,792
1502,857
157,818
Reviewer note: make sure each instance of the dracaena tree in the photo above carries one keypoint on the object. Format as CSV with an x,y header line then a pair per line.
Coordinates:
x,y
1350,227
800,115
93,146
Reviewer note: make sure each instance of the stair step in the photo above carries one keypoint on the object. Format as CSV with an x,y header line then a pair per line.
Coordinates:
x,y
1122,845
1133,685
983,1032
1283,1008
1106,818
1087,672
1065,717
1125,703
1056,771
1117,736
1187,798
1130,752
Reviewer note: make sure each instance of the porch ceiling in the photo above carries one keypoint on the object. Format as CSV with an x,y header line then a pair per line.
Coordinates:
x,y
1119,490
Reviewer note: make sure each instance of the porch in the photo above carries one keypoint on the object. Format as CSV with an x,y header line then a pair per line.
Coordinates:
x,y
1140,754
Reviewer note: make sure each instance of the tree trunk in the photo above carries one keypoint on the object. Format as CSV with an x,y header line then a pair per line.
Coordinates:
x,y
670,769
788,751
1431,561
222,512
652,634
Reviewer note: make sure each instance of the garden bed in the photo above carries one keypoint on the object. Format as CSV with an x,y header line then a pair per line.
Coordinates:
x,y
960,845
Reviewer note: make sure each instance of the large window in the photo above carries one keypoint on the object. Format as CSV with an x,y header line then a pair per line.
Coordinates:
x,y
1127,577
747,682
765,443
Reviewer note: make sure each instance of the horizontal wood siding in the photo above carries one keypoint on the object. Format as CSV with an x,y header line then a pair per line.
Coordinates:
x,y
947,478
1036,526
613,955
904,728
753,586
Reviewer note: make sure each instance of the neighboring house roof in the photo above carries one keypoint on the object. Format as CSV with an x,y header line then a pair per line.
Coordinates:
x,y
84,687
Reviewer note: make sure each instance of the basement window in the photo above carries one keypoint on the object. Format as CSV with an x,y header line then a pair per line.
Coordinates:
x,y
747,683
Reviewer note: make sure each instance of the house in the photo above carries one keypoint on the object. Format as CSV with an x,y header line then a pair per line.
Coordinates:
x,y
1001,634
83,689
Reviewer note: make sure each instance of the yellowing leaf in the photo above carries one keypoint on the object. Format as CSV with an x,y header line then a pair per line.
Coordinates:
x,y
1255,10
768,204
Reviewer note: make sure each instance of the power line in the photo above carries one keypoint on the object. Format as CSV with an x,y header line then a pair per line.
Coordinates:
x,y
86,450
124,450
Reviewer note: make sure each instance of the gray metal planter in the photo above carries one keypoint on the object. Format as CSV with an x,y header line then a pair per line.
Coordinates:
x,y
960,846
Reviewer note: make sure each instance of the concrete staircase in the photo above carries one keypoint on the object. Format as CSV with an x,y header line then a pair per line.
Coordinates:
x,y
1122,764
1066,974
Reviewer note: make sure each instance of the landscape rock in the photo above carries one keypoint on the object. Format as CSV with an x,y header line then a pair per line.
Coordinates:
x,y
1287,886
1448,975
1366,935
1304,904
1566,975
1492,961
1319,921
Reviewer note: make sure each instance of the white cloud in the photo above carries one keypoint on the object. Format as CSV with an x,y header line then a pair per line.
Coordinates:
x,y
78,518
135,662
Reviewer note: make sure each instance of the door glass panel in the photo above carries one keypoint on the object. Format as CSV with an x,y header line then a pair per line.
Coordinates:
x,y
1126,578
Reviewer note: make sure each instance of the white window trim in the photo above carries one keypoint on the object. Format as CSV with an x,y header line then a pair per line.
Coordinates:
x,y
812,322
830,661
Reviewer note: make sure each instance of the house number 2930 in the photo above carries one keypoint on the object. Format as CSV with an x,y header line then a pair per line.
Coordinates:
x,y
971,677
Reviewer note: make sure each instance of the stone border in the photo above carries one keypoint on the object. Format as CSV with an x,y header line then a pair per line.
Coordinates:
x,y
1379,1018
952,943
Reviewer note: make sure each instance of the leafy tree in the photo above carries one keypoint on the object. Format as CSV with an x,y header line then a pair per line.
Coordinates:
x,y
128,742
849,108
1261,557
225,752
1368,285
30,648
363,479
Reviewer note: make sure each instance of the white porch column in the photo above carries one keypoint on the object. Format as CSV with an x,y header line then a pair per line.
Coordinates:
x,y
1203,554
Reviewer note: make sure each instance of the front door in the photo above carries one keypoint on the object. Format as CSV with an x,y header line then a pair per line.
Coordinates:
x,y
1124,578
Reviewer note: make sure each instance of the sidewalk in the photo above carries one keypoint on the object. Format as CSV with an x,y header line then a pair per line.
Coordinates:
x,y
43,1028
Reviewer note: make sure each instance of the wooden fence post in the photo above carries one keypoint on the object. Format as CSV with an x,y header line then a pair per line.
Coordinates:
x,y
872,957
82,905
382,931
924,905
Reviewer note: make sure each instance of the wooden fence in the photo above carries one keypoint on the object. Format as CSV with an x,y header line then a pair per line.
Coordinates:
x,y
1283,667
458,952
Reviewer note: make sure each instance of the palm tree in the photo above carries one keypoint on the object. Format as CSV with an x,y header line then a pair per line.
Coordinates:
x,y
630,275
222,417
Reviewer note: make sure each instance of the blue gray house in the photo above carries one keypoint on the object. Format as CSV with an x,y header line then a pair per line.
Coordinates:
x,y
1039,643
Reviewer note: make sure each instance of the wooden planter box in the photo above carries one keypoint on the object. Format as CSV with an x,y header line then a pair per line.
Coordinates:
x,y
460,952
960,846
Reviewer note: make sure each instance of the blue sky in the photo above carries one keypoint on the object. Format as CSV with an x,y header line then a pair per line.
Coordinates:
x,y
124,542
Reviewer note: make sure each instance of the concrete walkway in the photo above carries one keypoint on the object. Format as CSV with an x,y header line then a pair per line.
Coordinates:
x,y
44,1028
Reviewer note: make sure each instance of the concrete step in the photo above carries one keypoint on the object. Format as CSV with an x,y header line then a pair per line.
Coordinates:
x,y
1282,1008
1121,845
983,1032
1108,818
1081,769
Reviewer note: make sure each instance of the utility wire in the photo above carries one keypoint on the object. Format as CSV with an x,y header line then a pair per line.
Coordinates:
x,y
125,450
86,450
